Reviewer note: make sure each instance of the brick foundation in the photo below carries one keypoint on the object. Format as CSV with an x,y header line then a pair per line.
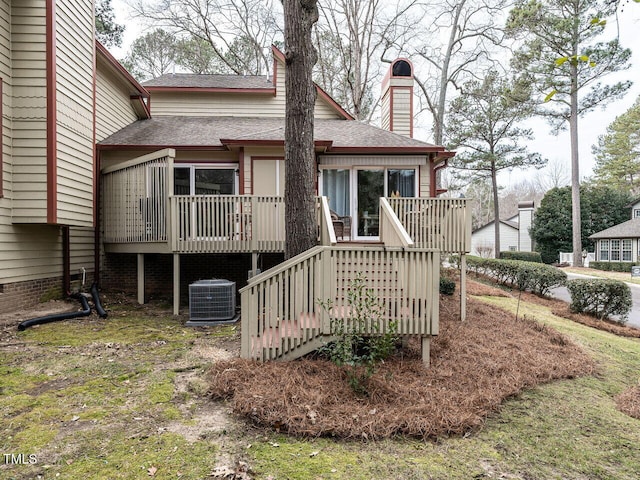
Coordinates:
x,y
119,272
19,295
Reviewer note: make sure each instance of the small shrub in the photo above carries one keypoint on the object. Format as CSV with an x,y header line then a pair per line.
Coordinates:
x,y
612,266
447,286
523,256
600,297
355,349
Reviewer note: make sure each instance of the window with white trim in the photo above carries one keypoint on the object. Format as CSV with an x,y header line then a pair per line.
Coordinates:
x,y
626,250
615,250
604,250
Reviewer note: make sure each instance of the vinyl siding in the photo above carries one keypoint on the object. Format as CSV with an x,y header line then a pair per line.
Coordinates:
x,y
385,121
402,111
113,106
232,104
74,98
425,181
486,237
29,111
81,243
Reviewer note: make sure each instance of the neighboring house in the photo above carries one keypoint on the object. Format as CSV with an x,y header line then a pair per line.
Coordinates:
x,y
620,243
514,233
53,84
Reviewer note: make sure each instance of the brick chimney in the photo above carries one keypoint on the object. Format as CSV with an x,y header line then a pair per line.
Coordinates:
x,y
397,98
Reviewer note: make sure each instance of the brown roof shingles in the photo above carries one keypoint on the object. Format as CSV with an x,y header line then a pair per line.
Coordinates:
x,y
195,81
176,131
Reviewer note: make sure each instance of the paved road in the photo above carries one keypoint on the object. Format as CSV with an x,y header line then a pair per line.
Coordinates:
x,y
634,315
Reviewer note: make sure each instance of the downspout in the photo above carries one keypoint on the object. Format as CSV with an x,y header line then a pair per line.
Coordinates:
x,y
66,261
96,230
433,190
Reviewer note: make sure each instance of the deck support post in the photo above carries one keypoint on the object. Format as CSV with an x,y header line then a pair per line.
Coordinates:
x,y
176,283
426,350
141,278
254,263
463,287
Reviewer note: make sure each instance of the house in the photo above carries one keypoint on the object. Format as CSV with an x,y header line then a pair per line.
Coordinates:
x,y
514,233
53,84
620,243
197,190
149,187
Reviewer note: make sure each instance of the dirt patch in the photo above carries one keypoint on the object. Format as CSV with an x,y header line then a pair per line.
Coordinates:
x,y
475,366
629,402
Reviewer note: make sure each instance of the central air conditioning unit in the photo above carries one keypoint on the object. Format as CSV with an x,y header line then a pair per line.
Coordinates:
x,y
212,302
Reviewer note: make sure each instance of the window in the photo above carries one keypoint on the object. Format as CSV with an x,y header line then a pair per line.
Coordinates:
x,y
615,250
626,250
604,250
196,180
512,248
636,212
401,183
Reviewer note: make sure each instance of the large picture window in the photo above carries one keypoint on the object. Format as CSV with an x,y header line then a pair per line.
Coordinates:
x,y
195,180
604,250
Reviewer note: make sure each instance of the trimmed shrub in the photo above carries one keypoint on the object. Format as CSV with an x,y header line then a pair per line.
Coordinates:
x,y
613,266
447,286
535,277
523,256
600,297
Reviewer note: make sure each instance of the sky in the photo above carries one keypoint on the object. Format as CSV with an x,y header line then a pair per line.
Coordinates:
x,y
555,148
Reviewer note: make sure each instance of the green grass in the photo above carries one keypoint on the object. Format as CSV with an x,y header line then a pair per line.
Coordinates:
x,y
95,400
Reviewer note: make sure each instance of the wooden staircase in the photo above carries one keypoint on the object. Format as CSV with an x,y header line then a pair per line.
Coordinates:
x,y
281,313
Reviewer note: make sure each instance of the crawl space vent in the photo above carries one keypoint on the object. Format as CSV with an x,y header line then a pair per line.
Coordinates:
x,y
212,301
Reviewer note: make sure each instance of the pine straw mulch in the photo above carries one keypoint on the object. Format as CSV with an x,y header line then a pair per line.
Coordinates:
x,y
558,308
475,366
628,402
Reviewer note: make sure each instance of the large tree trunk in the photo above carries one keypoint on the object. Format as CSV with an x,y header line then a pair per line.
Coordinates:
x,y
299,154
575,171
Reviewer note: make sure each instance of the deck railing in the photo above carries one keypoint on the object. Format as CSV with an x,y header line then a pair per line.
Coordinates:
x,y
439,223
281,311
134,199
227,223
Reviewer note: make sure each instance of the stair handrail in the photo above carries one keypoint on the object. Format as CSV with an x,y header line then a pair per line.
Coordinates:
x,y
392,232
327,232
261,277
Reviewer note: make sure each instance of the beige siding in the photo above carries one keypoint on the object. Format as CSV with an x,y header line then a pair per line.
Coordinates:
x,y
113,106
5,132
230,104
81,242
402,111
29,110
269,177
74,68
425,181
385,113
215,104
29,252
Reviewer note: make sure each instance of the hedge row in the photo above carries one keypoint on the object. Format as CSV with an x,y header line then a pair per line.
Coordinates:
x,y
613,266
600,297
523,256
535,277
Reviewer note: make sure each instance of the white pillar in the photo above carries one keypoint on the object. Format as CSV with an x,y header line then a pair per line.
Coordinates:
x,y
141,278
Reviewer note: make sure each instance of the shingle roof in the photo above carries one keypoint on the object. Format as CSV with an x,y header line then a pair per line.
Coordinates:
x,y
191,80
176,131
509,223
628,229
